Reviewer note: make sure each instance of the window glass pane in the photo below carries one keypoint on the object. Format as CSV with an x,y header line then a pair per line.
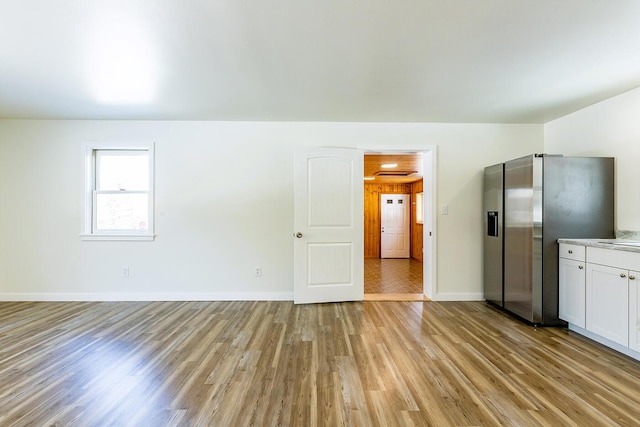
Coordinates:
x,y
122,211
122,170
419,208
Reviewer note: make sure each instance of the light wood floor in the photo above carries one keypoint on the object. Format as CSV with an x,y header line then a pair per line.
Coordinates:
x,y
273,363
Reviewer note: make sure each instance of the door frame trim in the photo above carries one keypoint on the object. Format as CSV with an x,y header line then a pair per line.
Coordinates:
x,y
429,164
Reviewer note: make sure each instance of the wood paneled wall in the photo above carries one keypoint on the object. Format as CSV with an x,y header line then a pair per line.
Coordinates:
x,y
372,218
416,229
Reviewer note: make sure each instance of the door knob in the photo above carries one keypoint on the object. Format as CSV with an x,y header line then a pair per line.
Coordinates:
x,y
299,235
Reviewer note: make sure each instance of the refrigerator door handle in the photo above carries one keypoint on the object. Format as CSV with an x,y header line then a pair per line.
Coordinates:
x,y
492,223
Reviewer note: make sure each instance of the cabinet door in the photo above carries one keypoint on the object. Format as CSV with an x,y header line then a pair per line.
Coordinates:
x,y
634,310
572,295
607,303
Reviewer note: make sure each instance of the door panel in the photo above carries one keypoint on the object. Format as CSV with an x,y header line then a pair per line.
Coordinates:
x,y
607,310
634,311
329,264
395,233
328,206
572,291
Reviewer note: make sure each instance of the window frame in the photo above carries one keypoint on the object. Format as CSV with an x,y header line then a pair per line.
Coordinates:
x,y
90,192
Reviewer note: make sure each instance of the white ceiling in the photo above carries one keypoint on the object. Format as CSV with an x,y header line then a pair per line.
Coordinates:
x,y
498,61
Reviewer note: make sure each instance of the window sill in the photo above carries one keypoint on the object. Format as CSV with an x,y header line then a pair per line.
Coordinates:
x,y
119,237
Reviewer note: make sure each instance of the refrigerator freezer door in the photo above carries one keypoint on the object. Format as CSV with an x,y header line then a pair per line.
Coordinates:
x,y
493,234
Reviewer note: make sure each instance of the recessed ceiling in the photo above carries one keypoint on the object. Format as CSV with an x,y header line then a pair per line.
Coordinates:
x,y
489,61
408,169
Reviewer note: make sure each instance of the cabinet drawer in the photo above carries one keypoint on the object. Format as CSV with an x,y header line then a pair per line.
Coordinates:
x,y
615,258
575,252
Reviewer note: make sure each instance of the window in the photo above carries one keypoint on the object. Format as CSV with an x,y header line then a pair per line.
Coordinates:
x,y
119,193
419,208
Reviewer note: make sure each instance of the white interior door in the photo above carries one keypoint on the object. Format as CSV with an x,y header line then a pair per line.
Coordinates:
x,y
395,234
329,225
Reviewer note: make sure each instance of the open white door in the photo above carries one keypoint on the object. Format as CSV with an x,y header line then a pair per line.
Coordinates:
x,y
329,225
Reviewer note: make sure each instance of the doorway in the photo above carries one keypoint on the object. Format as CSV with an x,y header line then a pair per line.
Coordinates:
x,y
396,275
351,218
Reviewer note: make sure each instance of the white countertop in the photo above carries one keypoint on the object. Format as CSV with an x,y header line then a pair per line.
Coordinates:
x,y
615,244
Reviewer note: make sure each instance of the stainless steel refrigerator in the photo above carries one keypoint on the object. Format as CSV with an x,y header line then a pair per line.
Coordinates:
x,y
545,198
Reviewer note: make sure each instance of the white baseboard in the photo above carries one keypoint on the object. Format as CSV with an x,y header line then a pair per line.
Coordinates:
x,y
180,296
451,296
604,341
140,296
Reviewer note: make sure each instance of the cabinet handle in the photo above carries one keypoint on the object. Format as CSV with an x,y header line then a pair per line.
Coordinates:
x,y
632,277
623,275
580,267
570,251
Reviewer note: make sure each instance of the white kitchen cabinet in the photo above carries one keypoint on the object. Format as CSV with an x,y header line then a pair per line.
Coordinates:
x,y
634,310
572,284
607,309
612,291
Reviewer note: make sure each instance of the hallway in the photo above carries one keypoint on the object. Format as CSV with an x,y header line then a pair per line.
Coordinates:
x,y
399,276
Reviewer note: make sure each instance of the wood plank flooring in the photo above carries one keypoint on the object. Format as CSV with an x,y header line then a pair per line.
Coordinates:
x,y
273,363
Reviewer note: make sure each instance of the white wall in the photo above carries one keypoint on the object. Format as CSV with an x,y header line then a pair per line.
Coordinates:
x,y
224,205
609,128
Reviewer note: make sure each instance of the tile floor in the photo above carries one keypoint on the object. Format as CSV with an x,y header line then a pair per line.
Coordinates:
x,y
397,276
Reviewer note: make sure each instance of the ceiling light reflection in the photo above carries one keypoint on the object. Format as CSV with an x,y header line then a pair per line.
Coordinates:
x,y
121,62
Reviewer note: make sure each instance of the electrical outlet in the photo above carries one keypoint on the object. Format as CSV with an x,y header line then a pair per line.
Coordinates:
x,y
258,271
444,210
125,271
